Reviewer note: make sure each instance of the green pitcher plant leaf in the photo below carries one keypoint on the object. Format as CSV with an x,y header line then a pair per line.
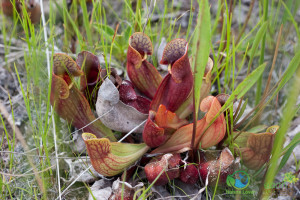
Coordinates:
x,y
111,158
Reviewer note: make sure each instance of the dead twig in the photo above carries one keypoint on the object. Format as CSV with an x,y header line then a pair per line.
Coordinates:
x,y
274,60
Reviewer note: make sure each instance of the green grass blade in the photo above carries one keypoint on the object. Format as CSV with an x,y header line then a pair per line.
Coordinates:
x,y
291,69
143,195
288,7
200,52
244,86
240,90
280,135
241,111
296,139
287,155
86,22
262,53
190,21
259,36
292,18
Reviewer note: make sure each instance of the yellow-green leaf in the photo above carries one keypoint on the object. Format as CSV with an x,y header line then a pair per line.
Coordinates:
x,y
111,158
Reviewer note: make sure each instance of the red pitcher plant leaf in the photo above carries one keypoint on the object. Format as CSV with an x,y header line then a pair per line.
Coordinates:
x,y
68,102
166,167
160,125
222,167
114,113
167,119
33,9
8,8
189,174
90,65
129,97
178,83
255,148
186,107
111,158
206,136
143,74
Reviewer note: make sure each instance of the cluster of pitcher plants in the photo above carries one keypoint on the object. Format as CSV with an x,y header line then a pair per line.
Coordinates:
x,y
157,109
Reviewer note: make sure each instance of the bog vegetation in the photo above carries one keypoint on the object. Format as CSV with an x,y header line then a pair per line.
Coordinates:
x,y
147,95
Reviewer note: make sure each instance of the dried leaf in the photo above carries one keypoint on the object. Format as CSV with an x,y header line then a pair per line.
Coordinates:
x,y
143,74
69,102
114,113
111,158
168,163
180,141
101,190
257,149
178,83
124,190
160,125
